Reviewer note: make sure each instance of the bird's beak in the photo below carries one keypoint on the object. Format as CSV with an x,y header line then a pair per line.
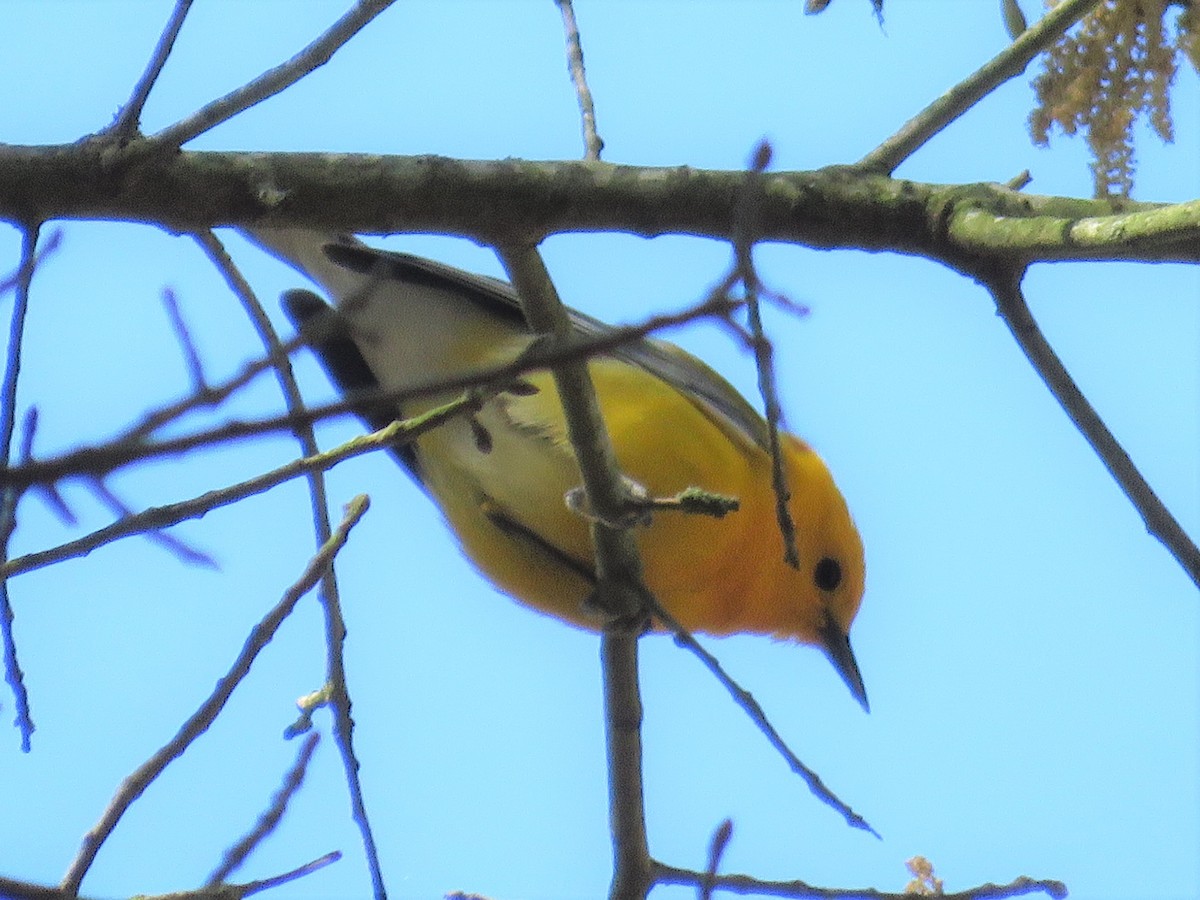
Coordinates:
x,y
836,644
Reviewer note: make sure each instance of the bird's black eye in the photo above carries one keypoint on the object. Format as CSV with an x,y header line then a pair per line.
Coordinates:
x,y
828,574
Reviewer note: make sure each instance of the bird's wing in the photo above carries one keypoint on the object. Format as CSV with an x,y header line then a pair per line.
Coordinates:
x,y
665,361
341,264
326,333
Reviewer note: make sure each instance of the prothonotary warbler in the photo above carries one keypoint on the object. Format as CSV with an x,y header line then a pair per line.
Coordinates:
x,y
500,476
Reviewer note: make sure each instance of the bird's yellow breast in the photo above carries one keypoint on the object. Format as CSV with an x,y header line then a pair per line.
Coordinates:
x,y
714,575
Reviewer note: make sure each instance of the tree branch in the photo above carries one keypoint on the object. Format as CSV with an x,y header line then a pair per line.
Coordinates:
x,y
335,628
1009,63
9,496
159,517
271,817
592,142
126,125
133,444
274,80
802,890
618,569
524,201
1005,287
136,783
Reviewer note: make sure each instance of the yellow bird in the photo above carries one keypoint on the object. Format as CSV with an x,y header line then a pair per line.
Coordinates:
x,y
500,478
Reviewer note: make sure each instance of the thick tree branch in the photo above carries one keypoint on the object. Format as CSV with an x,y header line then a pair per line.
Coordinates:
x,y
1163,232
522,201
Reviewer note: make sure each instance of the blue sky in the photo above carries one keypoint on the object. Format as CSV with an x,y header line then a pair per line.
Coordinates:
x,y
1030,652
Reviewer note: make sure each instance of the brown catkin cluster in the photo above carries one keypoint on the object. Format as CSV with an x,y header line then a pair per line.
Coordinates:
x,y
1117,66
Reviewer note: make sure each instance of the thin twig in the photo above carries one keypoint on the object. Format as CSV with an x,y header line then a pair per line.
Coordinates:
x,y
758,716
329,596
277,351
253,887
136,783
271,817
48,492
343,734
191,356
1020,181
1008,63
9,497
172,544
129,119
11,889
745,884
275,80
209,398
592,142
47,248
1005,288
745,233
695,501
158,517
716,849
131,446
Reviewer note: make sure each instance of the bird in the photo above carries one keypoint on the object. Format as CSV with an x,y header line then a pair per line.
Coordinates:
x,y
503,476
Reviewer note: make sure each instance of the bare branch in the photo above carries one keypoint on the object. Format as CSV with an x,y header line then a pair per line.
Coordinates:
x,y
1170,230
278,353
271,817
129,119
1005,287
48,492
623,734
335,629
592,142
47,248
172,544
191,355
716,849
136,783
758,716
131,446
308,868
745,233
158,517
23,890
209,397
745,884
10,495
272,82
618,570
12,889
1009,63
493,201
